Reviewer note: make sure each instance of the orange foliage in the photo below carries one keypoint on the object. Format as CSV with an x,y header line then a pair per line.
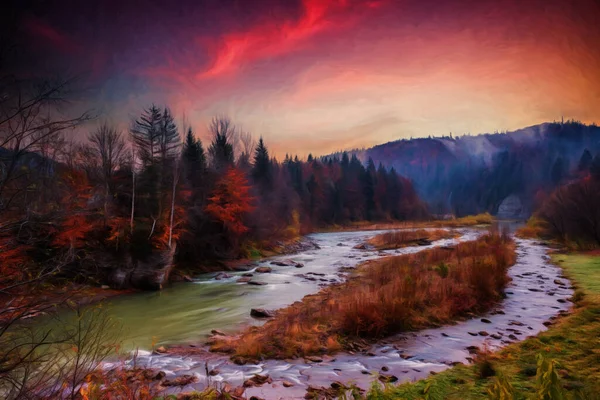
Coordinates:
x,y
386,296
74,226
12,258
231,201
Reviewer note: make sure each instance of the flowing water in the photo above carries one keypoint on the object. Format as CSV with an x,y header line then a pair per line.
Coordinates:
x,y
187,312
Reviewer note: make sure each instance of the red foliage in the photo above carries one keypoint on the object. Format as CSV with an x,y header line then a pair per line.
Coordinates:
x,y
231,201
74,226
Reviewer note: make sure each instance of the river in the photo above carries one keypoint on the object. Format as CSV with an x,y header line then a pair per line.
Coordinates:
x,y
187,312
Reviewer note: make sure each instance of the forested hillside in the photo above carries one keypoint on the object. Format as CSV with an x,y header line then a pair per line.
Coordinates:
x,y
471,174
125,208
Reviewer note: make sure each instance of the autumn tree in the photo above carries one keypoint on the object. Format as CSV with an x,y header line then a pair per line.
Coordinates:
x,y
229,204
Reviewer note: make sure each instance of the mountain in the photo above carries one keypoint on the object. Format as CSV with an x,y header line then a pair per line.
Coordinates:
x,y
470,174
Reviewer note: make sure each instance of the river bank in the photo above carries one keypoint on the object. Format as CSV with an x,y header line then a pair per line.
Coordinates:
x,y
405,357
571,343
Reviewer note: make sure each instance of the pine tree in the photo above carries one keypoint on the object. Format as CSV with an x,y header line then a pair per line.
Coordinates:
x,y
145,134
194,159
585,161
261,171
168,139
221,149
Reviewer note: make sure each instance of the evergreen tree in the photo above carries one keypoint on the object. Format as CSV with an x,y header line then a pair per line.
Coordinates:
x,y
145,133
221,149
194,159
169,140
261,170
558,171
585,161
369,182
595,167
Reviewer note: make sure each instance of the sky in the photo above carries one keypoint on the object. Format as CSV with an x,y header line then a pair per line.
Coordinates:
x,y
316,76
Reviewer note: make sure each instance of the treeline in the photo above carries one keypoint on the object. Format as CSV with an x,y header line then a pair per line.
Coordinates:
x,y
472,174
125,208
571,214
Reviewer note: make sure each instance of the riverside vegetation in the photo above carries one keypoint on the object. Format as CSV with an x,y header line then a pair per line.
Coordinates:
x,y
397,293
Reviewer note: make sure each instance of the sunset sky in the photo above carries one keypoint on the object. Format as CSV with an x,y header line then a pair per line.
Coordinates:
x,y
323,75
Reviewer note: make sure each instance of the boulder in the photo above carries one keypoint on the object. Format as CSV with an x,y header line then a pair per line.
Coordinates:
x,y
261,313
257,380
150,273
255,283
263,270
222,275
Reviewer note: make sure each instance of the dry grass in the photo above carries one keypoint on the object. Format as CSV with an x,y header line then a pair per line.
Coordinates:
x,y
534,229
471,220
403,238
386,296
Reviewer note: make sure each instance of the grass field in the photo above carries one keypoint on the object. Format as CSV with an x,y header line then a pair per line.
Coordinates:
x,y
572,346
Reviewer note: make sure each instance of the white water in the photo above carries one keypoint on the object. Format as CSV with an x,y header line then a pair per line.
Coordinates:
x,y
408,356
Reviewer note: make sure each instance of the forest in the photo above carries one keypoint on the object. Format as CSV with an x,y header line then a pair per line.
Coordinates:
x,y
126,208
469,174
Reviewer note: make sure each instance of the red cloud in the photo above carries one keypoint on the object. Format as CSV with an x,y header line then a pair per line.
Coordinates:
x,y
41,30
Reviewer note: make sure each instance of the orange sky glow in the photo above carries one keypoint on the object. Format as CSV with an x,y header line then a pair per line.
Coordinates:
x,y
339,74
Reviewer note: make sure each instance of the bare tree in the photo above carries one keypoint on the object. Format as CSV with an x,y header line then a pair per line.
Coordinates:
x,y
30,120
108,146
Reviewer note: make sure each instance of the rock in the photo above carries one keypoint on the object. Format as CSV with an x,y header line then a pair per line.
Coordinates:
x,y
244,279
512,337
313,359
424,242
222,275
256,398
261,313
558,282
217,332
387,378
287,384
360,246
547,323
406,356
256,283
299,265
284,263
160,350
483,333
214,372
340,245
561,300
257,380
337,385
486,321
472,333
534,290
160,375
496,336
385,369
248,275
263,270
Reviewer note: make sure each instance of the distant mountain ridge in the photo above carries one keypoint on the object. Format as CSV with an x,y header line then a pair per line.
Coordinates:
x,y
475,173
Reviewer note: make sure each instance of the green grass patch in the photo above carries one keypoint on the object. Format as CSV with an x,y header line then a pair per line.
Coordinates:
x,y
569,367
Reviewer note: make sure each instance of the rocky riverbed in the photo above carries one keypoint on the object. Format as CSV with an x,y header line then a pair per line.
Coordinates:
x,y
537,294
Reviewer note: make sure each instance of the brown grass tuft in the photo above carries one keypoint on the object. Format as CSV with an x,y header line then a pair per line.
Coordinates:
x,y
403,238
386,296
